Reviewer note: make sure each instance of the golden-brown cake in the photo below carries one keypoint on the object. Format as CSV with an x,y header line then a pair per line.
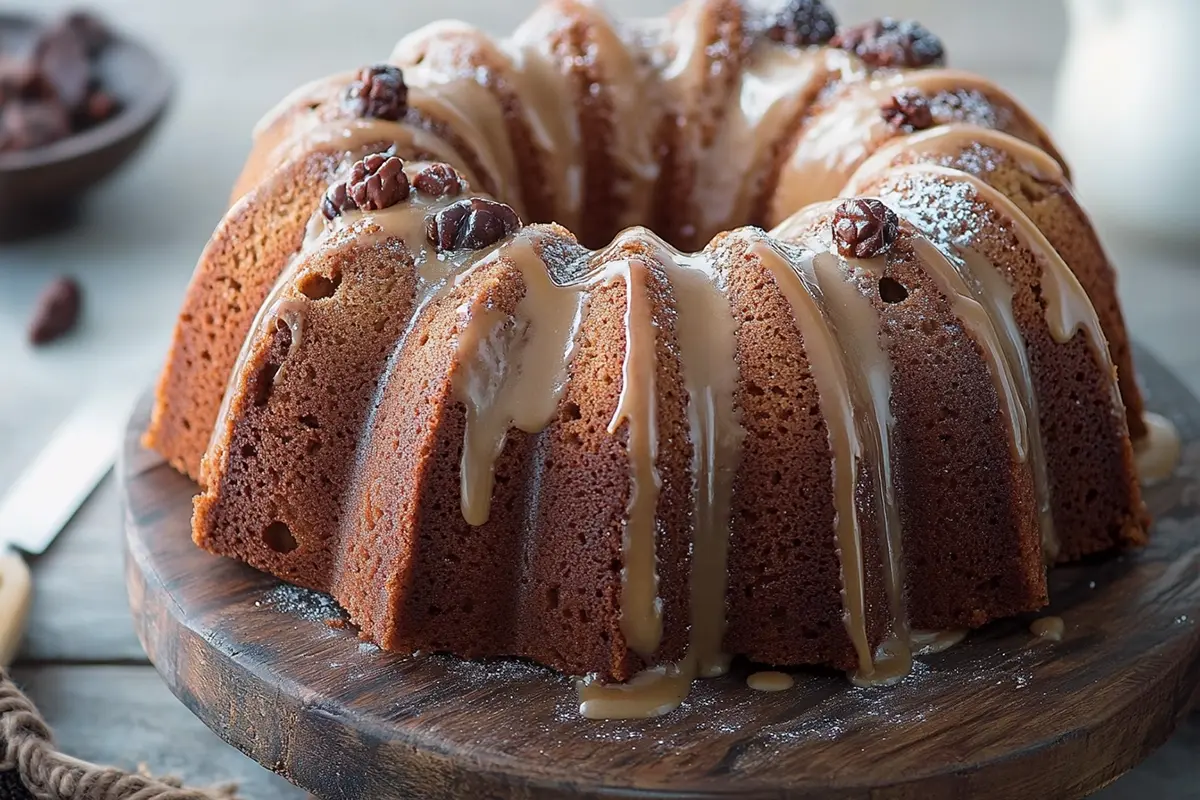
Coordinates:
x,y
886,416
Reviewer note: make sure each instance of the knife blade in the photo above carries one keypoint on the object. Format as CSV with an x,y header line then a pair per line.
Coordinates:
x,y
64,474
46,496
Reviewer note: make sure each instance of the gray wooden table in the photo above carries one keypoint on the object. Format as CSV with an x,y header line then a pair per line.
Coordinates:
x,y
139,238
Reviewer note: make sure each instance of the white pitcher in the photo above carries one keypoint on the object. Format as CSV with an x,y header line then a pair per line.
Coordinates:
x,y
1128,112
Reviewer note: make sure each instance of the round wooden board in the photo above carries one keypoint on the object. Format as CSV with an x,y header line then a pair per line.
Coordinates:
x,y
273,670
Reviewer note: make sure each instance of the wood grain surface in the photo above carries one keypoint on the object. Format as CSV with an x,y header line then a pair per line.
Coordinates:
x,y
1002,715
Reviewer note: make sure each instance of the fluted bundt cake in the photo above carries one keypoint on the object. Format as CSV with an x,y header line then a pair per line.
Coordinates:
x,y
812,446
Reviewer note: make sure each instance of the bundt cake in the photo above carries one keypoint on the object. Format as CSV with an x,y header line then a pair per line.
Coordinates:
x,y
576,441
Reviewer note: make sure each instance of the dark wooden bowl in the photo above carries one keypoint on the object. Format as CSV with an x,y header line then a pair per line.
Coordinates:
x,y
40,188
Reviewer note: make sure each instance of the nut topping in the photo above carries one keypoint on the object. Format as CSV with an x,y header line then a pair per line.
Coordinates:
x,y
378,92
62,57
471,224
907,110
377,182
793,22
56,312
896,44
337,201
864,228
439,180
54,88
25,124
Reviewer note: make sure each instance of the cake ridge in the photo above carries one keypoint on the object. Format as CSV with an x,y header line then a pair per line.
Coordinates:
x,y
946,140
706,348
983,302
846,442
1066,307
353,228
856,328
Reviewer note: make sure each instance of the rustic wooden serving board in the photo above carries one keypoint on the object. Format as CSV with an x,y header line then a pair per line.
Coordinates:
x,y
272,670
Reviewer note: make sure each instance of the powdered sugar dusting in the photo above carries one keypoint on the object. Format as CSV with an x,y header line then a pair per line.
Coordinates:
x,y
303,603
821,706
976,159
969,106
944,210
483,673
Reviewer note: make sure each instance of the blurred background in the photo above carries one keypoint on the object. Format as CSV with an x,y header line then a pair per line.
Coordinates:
x,y
139,235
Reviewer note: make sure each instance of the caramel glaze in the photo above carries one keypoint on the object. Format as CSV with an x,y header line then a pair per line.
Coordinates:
x,y
513,362
1049,628
696,126
770,681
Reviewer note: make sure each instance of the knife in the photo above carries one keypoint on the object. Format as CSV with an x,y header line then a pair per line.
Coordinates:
x,y
45,497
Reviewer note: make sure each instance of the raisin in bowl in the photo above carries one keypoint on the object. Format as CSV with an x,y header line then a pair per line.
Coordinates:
x,y
77,100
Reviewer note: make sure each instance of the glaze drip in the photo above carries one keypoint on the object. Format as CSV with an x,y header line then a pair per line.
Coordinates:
x,y
513,371
927,643
1158,453
651,693
838,410
978,321
547,97
856,326
641,608
1049,628
996,293
707,336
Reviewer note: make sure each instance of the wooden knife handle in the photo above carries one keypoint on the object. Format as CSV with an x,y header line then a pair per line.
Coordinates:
x,y
16,592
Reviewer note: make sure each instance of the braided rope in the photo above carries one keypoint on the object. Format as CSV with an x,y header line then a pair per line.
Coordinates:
x,y
28,746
